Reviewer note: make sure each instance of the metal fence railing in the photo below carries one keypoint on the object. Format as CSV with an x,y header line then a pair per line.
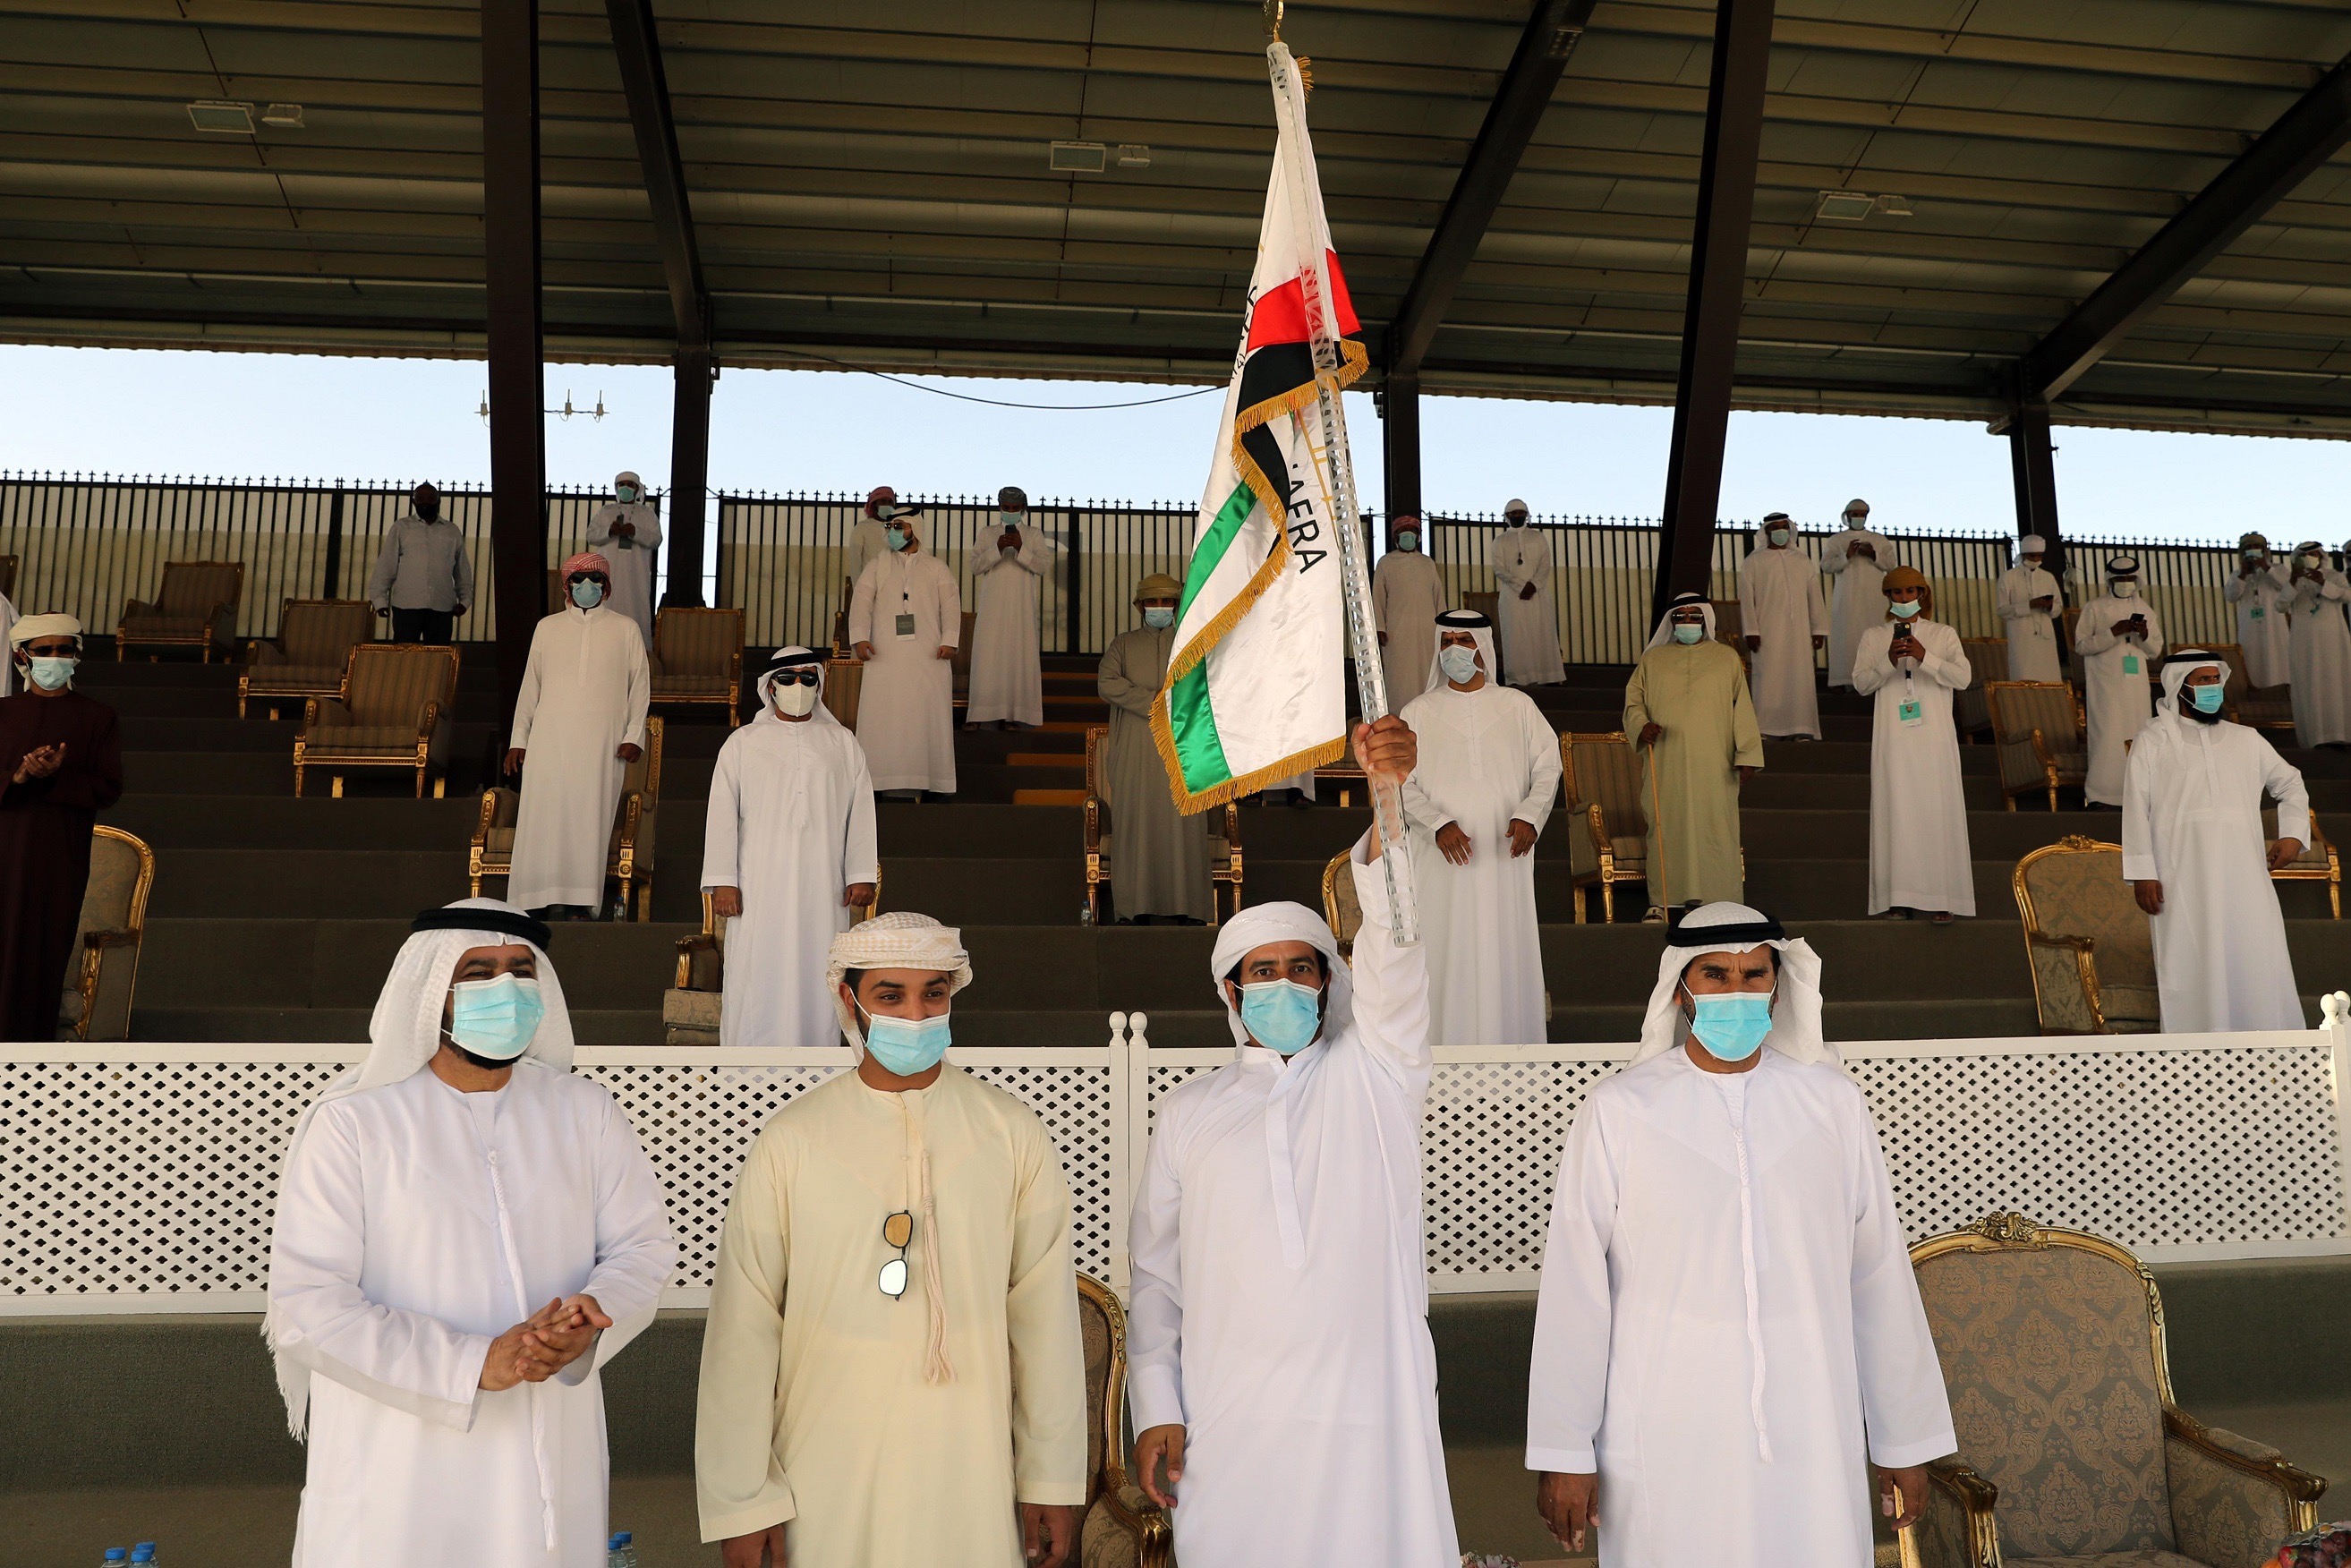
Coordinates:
x,y
86,544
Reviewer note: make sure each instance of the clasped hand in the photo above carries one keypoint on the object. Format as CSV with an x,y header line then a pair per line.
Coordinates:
x,y
544,1343
39,763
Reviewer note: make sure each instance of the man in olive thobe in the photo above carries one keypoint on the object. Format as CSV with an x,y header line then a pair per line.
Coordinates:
x,y
1687,708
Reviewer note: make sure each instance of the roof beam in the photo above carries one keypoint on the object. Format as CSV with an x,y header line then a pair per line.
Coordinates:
x,y
1551,37
641,78
2305,137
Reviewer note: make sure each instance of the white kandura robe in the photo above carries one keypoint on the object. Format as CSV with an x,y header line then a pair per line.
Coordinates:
x,y
2192,820
2321,643
1407,596
2262,624
792,824
813,1408
2032,633
869,541
584,695
632,559
1007,678
905,710
1919,855
7,662
1159,857
418,1224
1726,1266
1859,602
1485,756
1281,1301
2115,692
1530,628
1780,603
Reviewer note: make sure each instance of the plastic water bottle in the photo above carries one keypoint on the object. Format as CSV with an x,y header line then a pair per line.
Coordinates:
x,y
628,1540
614,1554
144,1552
116,1554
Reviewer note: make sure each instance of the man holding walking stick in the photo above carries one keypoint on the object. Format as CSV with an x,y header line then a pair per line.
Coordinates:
x,y
1687,708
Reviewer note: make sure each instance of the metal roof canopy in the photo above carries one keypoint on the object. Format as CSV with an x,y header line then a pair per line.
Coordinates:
x,y
871,184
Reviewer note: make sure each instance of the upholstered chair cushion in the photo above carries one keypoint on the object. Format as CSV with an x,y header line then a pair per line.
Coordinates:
x,y
366,740
1094,1330
2084,894
390,683
697,642
193,590
2151,1557
1103,1539
315,633
272,676
2048,1354
1607,772
113,882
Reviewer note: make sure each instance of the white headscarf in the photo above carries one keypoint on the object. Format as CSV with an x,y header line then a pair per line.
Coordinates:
x,y
1261,925
2175,671
898,940
1481,632
30,627
793,657
402,1036
1665,632
1795,1008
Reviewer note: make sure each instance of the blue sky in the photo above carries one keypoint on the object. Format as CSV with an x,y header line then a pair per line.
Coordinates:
x,y
308,417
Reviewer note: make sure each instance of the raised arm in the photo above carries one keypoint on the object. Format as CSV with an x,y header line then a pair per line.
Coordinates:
x,y
1391,983
739,1477
1946,658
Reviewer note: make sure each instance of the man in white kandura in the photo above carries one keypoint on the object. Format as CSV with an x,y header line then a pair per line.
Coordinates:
x,y
905,621
1160,871
466,1233
869,540
582,721
2320,647
1858,560
2259,589
1407,595
786,852
626,532
2029,600
2197,855
1786,625
1281,1366
1521,556
1918,861
891,1371
1728,1326
2118,639
1008,681
1476,806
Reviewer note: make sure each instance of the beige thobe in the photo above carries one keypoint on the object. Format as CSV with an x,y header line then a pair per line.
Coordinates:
x,y
814,1410
1697,696
1160,863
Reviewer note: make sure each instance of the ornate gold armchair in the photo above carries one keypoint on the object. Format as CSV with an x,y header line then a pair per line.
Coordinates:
x,y
2260,708
1120,1527
2318,862
195,608
1608,841
844,682
690,1009
2092,953
628,858
2040,734
1988,662
1224,839
2071,1449
97,1001
392,710
315,639
697,657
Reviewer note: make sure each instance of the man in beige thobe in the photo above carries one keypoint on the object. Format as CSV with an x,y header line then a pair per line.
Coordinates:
x,y
1687,708
1160,869
891,1371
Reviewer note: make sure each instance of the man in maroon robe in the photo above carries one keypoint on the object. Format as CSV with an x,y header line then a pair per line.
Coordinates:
x,y
60,765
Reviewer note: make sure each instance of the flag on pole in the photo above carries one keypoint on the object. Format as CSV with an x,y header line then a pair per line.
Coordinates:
x,y
1256,690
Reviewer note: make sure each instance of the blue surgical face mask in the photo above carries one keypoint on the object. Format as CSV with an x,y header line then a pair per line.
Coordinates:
x,y
1777,536
1159,617
1408,539
586,594
495,1018
1904,612
625,493
908,1047
52,670
896,537
1282,1015
2207,699
1686,633
1459,663
1731,1027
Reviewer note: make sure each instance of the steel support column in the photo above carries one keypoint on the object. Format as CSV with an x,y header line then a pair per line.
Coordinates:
x,y
1717,285
510,266
689,476
2032,457
1400,446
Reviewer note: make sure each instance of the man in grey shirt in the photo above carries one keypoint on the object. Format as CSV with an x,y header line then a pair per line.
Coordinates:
x,y
424,577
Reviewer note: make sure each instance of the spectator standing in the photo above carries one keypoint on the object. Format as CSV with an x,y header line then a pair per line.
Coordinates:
x,y
423,577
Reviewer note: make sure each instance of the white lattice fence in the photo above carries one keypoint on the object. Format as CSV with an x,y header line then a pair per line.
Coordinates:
x,y
143,1178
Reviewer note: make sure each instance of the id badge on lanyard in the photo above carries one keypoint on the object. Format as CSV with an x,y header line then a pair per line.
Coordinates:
x,y
1911,713
2130,663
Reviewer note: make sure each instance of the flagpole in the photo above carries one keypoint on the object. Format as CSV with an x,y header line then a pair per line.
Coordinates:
x,y
1354,575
